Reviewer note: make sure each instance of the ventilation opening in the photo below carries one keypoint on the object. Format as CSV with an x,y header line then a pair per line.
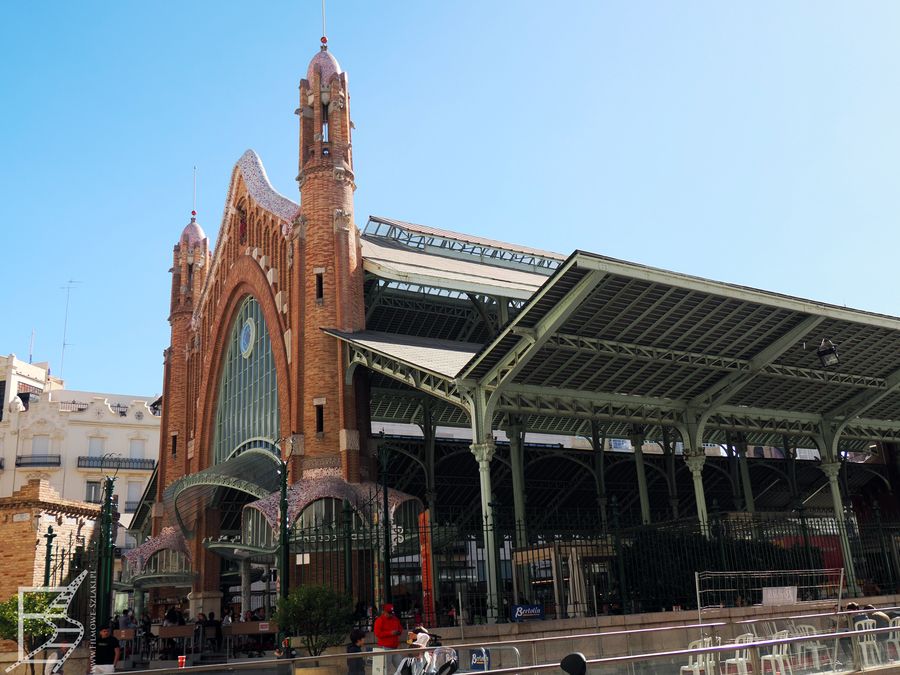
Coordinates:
x,y
174,444
320,288
320,420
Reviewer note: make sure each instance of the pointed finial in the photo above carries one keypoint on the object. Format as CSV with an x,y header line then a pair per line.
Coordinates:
x,y
324,39
194,203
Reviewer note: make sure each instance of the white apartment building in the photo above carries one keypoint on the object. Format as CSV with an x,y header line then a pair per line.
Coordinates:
x,y
74,438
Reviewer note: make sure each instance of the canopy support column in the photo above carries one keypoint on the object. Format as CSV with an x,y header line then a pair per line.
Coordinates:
x,y
484,453
832,470
429,430
138,603
831,467
516,434
695,457
669,452
245,585
483,447
749,503
598,442
637,442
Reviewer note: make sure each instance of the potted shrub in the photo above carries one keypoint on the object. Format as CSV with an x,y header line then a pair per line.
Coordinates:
x,y
319,616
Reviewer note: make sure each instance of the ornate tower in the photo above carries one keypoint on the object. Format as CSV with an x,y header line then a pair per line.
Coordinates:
x,y
190,265
331,274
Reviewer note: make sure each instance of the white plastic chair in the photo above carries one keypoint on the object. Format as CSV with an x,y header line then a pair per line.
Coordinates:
x,y
741,658
700,663
869,649
696,662
780,659
819,652
893,639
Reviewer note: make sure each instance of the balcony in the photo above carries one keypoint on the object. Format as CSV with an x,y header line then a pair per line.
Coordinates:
x,y
37,460
126,463
131,507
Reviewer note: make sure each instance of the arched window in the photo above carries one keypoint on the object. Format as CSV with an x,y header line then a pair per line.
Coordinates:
x,y
247,405
328,512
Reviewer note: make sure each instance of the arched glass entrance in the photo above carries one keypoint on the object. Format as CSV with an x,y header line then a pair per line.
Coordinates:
x,y
247,403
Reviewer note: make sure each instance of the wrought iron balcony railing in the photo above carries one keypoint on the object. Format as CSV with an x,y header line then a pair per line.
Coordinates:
x,y
38,460
131,507
116,463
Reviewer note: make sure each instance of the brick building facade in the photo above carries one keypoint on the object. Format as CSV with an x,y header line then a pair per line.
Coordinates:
x,y
253,309
299,330
25,517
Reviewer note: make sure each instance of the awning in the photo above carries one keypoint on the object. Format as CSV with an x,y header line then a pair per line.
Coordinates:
x,y
254,472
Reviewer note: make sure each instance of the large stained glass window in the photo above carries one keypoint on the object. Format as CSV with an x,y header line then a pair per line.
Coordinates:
x,y
247,406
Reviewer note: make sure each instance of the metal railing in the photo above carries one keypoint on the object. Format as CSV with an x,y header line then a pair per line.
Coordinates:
x,y
108,462
608,653
72,406
131,507
38,460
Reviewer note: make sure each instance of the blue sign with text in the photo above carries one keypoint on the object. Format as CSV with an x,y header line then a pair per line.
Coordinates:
x,y
526,612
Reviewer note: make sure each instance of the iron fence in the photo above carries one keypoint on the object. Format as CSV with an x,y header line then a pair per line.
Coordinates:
x,y
580,570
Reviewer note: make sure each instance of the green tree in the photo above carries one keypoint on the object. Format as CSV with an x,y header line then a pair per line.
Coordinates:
x,y
319,615
35,632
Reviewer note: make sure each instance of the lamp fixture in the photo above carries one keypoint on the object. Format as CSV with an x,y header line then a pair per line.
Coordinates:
x,y
827,353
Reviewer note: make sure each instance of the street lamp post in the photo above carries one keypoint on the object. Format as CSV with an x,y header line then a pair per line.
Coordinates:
x,y
284,544
105,554
50,536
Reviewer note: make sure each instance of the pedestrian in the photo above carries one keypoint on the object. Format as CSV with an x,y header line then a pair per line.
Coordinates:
x,y
356,665
107,652
388,630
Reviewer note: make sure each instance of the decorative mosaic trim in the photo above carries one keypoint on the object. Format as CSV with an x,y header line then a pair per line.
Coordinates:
x,y
312,488
169,538
257,181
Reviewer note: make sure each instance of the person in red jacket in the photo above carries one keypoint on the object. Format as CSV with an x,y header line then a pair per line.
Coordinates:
x,y
388,628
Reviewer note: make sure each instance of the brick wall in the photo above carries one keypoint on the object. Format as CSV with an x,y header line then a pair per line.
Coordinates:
x,y
24,518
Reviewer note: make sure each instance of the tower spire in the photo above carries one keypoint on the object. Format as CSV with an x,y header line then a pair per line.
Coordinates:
x,y
324,33
194,201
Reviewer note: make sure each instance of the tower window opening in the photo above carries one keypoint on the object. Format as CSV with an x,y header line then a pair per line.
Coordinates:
x,y
320,288
324,123
190,273
320,419
174,444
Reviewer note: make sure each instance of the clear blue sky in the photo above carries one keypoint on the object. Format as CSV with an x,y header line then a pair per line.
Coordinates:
x,y
755,143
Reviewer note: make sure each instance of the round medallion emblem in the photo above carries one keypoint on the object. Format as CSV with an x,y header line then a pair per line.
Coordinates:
x,y
248,337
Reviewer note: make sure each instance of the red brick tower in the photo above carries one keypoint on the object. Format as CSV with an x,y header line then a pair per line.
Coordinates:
x,y
331,273
190,265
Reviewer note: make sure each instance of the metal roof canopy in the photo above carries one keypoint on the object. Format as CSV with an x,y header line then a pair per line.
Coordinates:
x,y
628,344
253,472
